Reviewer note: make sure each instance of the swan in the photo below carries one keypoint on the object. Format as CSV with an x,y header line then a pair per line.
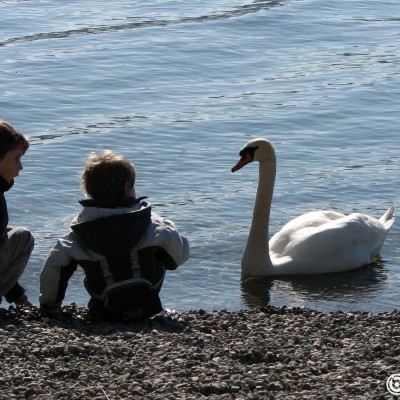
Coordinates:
x,y
313,243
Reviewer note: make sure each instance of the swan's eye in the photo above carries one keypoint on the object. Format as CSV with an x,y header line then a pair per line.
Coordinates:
x,y
248,150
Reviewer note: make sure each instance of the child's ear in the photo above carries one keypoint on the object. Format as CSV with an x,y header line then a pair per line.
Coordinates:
x,y
129,190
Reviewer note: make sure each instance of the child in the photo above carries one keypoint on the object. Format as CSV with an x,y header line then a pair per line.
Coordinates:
x,y
16,244
123,247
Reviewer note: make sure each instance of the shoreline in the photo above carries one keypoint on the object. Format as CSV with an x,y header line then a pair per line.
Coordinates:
x,y
264,353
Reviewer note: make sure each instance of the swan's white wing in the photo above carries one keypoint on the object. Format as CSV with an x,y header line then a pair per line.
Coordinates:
x,y
315,219
341,243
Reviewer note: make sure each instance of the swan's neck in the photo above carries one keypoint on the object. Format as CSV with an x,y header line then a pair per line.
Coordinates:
x,y
256,260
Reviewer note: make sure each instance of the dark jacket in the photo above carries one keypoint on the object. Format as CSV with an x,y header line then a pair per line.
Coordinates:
x,y
4,187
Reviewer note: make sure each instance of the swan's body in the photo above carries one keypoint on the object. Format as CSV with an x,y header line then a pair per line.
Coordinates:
x,y
314,243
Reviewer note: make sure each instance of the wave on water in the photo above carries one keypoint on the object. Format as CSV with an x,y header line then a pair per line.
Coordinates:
x,y
88,129
254,7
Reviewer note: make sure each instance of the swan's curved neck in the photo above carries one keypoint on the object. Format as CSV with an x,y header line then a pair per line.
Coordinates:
x,y
256,259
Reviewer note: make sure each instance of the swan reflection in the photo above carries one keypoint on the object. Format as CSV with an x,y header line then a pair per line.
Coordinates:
x,y
346,288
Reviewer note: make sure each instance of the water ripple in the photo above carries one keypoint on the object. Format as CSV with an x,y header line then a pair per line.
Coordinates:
x,y
239,11
98,127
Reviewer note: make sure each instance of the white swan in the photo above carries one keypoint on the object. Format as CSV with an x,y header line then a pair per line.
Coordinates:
x,y
314,243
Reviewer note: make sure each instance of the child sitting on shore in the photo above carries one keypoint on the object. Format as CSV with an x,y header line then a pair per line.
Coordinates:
x,y
16,244
123,247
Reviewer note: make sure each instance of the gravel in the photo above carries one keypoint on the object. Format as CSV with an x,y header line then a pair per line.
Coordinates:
x,y
264,353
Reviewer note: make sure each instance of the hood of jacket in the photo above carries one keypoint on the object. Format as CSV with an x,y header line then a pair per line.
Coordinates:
x,y
110,229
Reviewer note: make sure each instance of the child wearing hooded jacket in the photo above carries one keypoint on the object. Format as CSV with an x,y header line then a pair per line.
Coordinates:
x,y
123,247
16,244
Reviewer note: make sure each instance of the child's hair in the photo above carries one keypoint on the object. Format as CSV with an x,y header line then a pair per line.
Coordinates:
x,y
11,139
107,176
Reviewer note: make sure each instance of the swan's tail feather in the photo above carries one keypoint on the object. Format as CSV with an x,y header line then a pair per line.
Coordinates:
x,y
387,219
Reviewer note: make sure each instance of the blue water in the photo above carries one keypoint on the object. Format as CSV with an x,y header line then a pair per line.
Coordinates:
x,y
179,88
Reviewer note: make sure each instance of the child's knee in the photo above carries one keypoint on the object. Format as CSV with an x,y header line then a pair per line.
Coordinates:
x,y
29,240
25,239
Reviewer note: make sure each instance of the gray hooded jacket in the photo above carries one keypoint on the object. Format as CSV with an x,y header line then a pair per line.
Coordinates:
x,y
102,239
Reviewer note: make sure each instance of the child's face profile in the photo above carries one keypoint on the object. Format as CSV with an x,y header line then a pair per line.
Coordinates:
x,y
10,164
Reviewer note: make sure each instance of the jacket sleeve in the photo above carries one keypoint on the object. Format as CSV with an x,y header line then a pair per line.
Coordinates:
x,y
168,238
58,269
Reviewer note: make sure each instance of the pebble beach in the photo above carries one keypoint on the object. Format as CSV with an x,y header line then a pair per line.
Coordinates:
x,y
264,353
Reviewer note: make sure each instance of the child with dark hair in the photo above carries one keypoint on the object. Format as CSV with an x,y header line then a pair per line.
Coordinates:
x,y
16,244
123,247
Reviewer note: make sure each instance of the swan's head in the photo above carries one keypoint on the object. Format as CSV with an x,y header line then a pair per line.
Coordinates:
x,y
260,150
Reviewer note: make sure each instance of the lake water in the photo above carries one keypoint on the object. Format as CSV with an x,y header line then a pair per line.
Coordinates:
x,y
179,88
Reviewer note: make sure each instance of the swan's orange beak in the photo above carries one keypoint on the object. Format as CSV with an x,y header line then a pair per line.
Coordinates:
x,y
244,160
